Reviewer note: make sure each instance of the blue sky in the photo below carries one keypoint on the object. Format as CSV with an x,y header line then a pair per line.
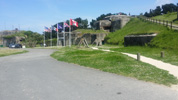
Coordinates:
x,y
35,14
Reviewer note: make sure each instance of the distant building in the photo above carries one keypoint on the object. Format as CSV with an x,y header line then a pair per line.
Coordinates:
x,y
5,41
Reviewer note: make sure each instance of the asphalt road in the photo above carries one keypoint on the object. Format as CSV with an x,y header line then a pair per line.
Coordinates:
x,y
37,76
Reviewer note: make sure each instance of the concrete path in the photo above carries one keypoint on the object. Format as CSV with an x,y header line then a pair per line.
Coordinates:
x,y
37,76
159,64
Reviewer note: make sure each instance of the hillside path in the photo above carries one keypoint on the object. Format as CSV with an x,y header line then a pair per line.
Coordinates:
x,y
172,69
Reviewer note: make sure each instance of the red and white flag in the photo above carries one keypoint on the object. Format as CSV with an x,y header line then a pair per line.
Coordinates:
x,y
72,22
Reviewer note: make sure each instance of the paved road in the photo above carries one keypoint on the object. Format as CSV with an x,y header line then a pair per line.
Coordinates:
x,y
37,76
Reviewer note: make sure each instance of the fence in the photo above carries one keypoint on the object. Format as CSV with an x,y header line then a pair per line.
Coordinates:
x,y
168,24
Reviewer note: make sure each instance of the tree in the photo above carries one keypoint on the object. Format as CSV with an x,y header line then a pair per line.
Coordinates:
x,y
92,24
146,14
168,8
151,13
157,11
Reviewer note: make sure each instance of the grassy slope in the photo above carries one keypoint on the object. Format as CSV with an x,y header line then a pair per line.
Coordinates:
x,y
115,63
168,17
165,39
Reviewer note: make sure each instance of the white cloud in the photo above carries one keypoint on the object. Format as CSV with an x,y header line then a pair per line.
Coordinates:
x,y
162,2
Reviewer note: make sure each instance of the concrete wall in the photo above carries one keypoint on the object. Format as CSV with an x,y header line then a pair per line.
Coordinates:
x,y
76,37
134,40
113,22
13,40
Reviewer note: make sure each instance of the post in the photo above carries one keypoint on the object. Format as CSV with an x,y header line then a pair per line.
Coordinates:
x,y
171,25
167,23
64,34
70,33
44,40
156,21
138,56
177,11
163,22
57,35
51,35
162,54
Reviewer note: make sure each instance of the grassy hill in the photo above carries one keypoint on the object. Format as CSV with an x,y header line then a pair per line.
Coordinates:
x,y
166,38
168,17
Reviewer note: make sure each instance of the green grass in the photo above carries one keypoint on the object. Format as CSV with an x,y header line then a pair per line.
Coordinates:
x,y
166,38
168,17
7,52
171,55
115,63
135,26
83,31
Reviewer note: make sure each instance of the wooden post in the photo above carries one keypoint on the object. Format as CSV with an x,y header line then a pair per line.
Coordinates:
x,y
167,23
163,22
162,54
156,21
171,25
159,21
138,56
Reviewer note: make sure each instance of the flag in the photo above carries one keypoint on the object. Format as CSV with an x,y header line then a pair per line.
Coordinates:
x,y
46,29
66,25
58,27
72,22
52,28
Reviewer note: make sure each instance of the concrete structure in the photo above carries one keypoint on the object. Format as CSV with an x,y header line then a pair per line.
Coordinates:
x,y
13,40
7,41
76,37
140,40
113,22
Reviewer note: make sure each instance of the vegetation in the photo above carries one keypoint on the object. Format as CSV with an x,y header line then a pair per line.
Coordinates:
x,y
31,39
168,17
171,55
115,63
6,52
165,39
167,8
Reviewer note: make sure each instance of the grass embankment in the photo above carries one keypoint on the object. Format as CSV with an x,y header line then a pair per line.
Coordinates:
x,y
166,38
115,63
168,17
7,52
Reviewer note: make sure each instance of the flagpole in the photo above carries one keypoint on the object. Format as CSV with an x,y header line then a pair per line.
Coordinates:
x,y
64,34
51,34
44,39
57,35
70,33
